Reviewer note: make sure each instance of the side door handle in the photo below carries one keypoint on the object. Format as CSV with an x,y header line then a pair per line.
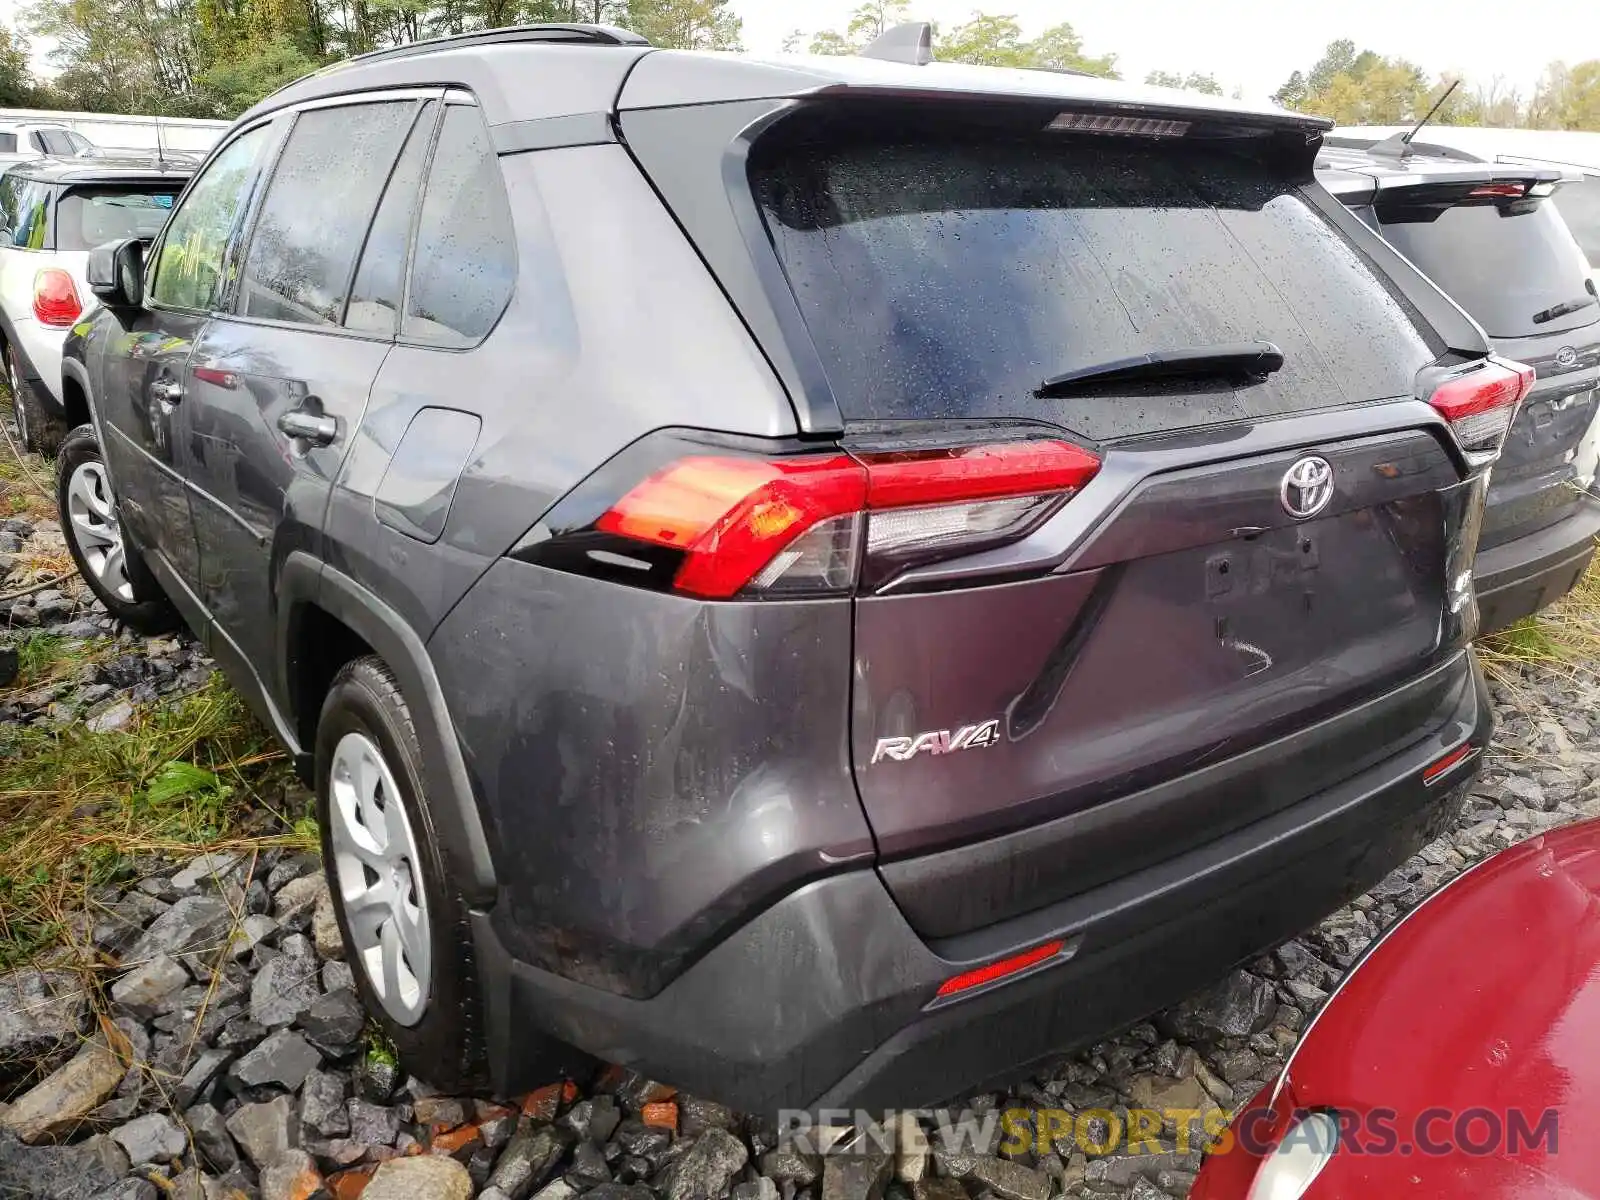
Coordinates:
x,y
310,427
166,389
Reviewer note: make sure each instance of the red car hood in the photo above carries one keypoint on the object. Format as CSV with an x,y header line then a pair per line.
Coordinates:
x,y
1486,998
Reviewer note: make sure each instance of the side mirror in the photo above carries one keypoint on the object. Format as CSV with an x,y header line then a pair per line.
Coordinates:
x,y
115,273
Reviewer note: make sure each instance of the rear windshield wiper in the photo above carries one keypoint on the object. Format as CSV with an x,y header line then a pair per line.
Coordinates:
x,y
1246,362
1562,309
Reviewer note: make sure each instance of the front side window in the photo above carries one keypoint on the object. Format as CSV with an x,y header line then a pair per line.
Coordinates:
x,y
56,141
317,207
36,142
465,262
189,266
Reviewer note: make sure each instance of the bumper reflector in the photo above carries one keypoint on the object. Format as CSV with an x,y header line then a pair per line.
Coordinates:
x,y
999,969
1448,763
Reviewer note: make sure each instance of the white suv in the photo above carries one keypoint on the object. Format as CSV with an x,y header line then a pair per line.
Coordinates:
x,y
52,213
34,139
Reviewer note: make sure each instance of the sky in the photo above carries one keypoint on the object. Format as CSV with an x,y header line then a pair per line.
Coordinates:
x,y
1255,44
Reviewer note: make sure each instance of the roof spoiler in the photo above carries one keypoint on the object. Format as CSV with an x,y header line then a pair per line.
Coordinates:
x,y
911,43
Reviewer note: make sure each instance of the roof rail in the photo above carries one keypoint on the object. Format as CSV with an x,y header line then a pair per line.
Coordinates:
x,y
582,35
909,43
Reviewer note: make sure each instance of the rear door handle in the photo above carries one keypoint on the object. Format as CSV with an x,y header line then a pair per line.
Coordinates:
x,y
167,390
317,430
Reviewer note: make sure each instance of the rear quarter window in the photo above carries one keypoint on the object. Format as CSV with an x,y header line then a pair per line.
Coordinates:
x,y
948,278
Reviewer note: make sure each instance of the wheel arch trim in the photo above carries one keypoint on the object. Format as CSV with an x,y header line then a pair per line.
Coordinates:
x,y
307,581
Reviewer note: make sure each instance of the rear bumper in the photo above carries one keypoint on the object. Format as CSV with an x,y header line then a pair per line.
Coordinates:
x,y
1518,578
823,1000
39,358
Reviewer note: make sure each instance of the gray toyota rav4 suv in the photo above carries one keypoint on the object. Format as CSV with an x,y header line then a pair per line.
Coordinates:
x,y
1488,235
823,580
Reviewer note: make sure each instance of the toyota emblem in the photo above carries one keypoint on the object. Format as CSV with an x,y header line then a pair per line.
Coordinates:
x,y
1307,487
1566,356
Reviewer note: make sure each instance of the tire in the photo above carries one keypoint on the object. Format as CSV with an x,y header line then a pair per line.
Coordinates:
x,y
135,599
41,430
437,1031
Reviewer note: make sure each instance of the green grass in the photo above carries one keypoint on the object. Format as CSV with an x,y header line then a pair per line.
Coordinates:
x,y
1565,636
48,658
82,808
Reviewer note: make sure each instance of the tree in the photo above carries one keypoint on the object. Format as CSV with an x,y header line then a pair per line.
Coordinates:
x,y
986,41
233,86
16,78
1193,82
1293,92
1059,48
1337,59
1568,97
686,24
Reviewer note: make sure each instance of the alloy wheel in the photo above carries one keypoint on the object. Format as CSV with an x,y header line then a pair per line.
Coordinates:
x,y
376,870
92,519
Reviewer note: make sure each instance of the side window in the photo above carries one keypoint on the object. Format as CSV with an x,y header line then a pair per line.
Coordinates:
x,y
56,141
33,214
36,142
465,263
189,271
319,202
381,278
9,188
8,143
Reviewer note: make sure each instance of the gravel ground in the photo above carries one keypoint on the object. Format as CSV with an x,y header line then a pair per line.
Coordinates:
x,y
227,1054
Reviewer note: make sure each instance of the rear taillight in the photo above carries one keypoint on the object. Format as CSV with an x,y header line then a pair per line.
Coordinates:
x,y
1480,403
55,298
719,524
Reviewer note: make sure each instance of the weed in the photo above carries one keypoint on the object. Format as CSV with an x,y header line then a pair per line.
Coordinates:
x,y
79,807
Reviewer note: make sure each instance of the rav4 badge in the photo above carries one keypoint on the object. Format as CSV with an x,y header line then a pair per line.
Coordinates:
x,y
938,741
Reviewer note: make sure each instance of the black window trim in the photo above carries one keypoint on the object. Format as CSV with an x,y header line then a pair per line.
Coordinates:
x,y
411,229
454,97
229,310
153,253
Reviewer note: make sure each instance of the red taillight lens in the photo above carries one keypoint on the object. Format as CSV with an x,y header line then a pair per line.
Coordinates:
x,y
793,524
1480,405
999,969
1444,766
732,516
55,298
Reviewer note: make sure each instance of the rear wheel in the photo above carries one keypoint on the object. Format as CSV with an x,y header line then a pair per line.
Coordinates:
x,y
109,565
404,921
39,430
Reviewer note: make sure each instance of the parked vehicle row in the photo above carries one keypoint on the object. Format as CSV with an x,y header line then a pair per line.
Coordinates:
x,y
52,213
1490,236
826,580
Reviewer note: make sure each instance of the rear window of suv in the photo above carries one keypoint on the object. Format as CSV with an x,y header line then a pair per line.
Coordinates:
x,y
1504,263
948,278
87,217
